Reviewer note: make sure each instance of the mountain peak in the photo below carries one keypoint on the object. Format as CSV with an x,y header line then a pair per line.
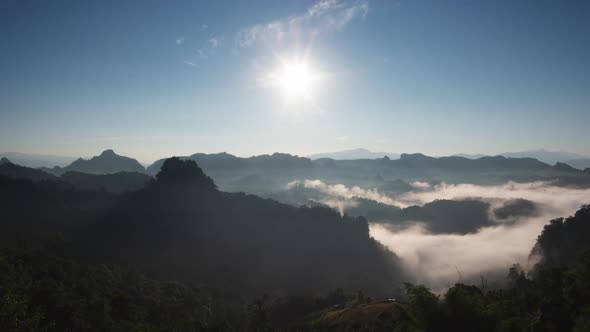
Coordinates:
x,y
108,153
415,156
177,171
107,162
4,161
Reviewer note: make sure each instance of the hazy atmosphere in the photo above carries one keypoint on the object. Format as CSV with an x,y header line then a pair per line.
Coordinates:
x,y
314,165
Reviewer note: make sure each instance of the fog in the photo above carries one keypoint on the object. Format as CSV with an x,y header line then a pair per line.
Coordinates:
x,y
441,260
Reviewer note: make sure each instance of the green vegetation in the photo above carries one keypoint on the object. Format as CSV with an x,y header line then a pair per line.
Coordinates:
x,y
41,292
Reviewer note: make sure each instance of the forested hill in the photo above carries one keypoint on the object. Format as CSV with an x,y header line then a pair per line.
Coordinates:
x,y
181,227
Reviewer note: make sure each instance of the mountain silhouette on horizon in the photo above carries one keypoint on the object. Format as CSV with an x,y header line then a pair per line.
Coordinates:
x,y
36,160
9,169
359,153
107,162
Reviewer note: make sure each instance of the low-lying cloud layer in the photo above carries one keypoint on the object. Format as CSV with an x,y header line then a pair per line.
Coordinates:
x,y
440,260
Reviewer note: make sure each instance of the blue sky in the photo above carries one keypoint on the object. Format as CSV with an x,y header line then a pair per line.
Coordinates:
x,y
158,78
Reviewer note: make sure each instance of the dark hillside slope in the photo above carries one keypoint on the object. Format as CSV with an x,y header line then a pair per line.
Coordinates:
x,y
563,241
116,182
35,213
8,169
181,227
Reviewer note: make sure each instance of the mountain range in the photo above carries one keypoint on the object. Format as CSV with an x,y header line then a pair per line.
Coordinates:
x,y
548,157
265,174
106,163
354,154
37,160
102,165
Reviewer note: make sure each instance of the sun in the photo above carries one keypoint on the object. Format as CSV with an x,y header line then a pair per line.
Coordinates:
x,y
295,79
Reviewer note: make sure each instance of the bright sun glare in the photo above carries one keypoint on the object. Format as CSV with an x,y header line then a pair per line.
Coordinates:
x,y
296,80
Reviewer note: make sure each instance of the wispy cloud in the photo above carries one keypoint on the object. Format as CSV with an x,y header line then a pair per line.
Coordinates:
x,y
340,191
324,16
189,63
213,42
202,54
179,40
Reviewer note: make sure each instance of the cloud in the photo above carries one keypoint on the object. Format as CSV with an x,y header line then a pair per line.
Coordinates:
x,y
179,40
213,42
540,192
324,16
341,191
202,54
420,185
192,64
342,138
440,260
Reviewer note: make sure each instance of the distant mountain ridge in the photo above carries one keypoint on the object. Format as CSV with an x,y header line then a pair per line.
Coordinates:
x,y
37,160
116,182
264,174
549,157
226,161
271,173
107,162
9,169
354,154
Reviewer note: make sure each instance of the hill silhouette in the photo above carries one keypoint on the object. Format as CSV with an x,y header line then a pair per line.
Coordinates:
x,y
35,213
116,182
37,160
563,241
181,227
7,168
354,154
107,162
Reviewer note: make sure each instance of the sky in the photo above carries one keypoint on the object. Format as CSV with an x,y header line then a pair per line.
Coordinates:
x,y
152,79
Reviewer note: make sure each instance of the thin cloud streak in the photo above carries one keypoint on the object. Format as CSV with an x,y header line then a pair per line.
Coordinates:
x,y
324,16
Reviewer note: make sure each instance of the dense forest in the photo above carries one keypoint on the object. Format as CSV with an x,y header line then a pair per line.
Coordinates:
x,y
43,292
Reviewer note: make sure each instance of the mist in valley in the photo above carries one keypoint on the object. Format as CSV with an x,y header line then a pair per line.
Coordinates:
x,y
515,214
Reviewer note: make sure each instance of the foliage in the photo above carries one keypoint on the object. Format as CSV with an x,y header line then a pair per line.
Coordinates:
x,y
41,292
556,299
